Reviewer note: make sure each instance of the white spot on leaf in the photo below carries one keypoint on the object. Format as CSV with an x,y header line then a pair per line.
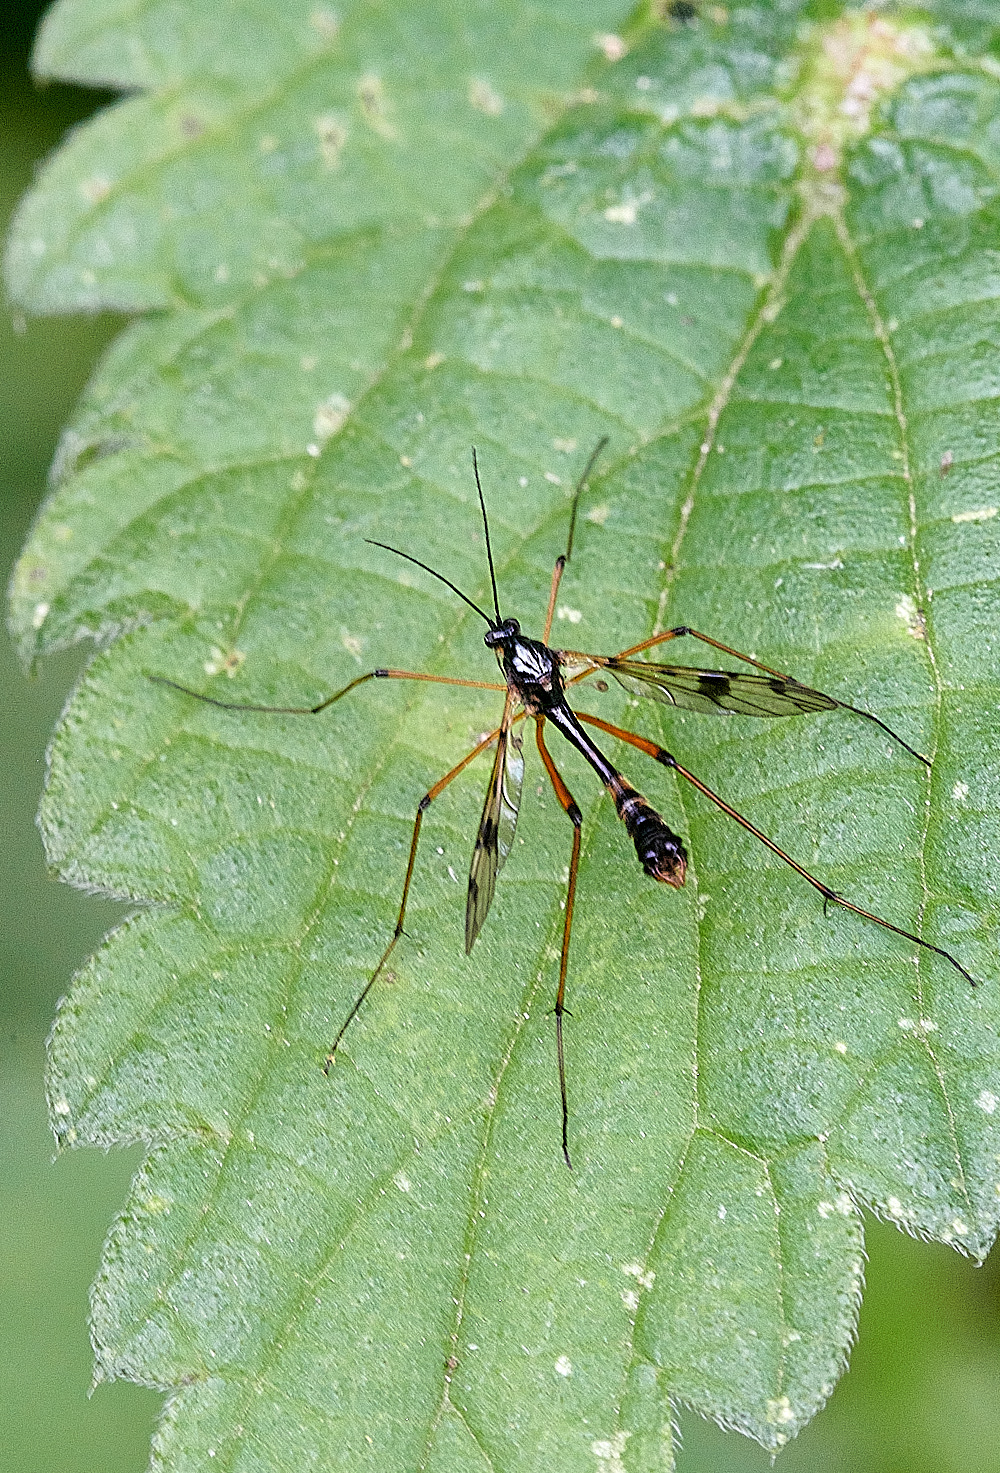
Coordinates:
x,y
613,46
94,189
608,1452
484,99
645,1276
983,514
325,23
330,416
911,616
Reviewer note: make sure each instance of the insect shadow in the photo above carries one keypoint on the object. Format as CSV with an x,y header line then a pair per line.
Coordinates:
x,y
536,680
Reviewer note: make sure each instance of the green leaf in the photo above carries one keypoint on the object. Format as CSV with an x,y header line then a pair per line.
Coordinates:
x,y
758,251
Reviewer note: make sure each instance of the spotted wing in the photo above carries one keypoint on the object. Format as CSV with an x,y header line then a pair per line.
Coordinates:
x,y
712,691
495,838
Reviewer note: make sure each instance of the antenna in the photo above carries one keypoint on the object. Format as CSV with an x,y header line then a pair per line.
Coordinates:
x,y
486,528
439,576
579,487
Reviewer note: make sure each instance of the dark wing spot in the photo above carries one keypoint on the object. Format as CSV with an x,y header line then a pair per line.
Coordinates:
x,y
713,683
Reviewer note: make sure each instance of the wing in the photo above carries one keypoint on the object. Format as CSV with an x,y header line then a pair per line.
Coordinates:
x,y
495,838
712,691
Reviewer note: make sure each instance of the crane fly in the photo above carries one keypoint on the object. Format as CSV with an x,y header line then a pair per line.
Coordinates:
x,y
536,681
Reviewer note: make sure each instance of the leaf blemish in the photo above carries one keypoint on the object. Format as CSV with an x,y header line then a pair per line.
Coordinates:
x,y
855,62
330,416
484,98
983,514
627,212
374,106
613,46
219,661
332,135
644,1276
609,1452
906,609
95,189
779,1411
325,23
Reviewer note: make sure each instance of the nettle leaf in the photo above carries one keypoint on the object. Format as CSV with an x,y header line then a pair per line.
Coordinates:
x,y
758,249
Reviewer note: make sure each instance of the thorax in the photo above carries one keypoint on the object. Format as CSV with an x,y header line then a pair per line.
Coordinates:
x,y
531,670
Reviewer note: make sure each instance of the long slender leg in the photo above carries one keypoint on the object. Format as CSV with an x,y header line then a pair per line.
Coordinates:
x,y
422,807
561,562
573,813
329,701
683,629
660,754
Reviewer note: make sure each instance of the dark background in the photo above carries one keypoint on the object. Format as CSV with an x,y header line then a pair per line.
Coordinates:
x,y
923,1395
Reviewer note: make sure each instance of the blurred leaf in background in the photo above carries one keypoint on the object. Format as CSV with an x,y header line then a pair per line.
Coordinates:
x,y
218,479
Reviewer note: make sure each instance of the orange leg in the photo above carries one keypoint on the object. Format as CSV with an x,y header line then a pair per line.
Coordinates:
x,y
422,807
660,754
329,701
680,632
573,813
